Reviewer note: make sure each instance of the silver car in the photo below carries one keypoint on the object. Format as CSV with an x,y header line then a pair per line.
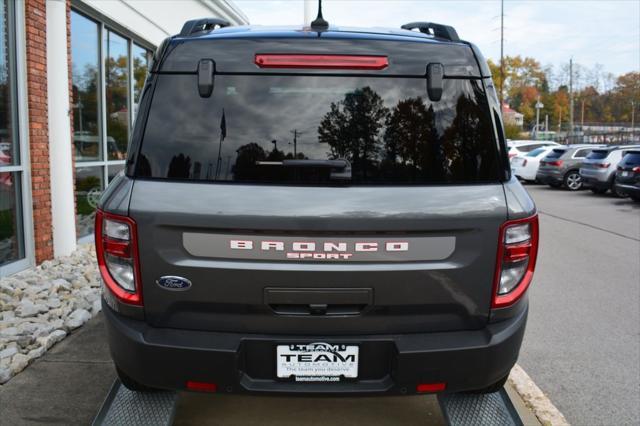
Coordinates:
x,y
560,166
598,170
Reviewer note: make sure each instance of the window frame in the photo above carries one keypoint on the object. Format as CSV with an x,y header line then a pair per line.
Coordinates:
x,y
16,49
106,25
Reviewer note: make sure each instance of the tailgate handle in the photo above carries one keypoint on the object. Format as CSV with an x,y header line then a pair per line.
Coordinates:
x,y
318,301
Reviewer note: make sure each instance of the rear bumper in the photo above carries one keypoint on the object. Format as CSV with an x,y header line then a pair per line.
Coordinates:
x,y
631,190
547,178
589,182
246,363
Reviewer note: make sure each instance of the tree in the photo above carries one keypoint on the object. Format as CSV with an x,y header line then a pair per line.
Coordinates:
x,y
352,126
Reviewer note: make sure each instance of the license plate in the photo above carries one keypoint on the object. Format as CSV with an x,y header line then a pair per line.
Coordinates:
x,y
625,174
317,362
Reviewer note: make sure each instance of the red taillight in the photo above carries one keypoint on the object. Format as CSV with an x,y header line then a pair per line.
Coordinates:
x,y
556,163
602,165
636,169
202,386
516,260
345,62
117,252
430,387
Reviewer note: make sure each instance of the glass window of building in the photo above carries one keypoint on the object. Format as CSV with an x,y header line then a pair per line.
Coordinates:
x,y
86,88
11,169
116,69
109,70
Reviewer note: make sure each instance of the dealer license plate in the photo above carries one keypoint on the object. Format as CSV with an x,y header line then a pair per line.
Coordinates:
x,y
625,174
317,362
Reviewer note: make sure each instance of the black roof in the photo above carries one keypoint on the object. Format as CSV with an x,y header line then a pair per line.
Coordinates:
x,y
232,48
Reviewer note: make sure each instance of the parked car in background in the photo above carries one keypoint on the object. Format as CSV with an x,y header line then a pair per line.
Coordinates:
x,y
627,179
525,167
598,170
561,166
525,146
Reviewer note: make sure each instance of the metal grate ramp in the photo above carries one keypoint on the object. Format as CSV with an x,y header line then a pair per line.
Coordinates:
x,y
124,407
493,409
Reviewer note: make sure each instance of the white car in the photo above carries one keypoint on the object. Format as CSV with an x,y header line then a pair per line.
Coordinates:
x,y
525,166
524,146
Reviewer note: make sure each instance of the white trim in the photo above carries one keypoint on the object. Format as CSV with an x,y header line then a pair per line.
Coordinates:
x,y
228,10
60,153
23,138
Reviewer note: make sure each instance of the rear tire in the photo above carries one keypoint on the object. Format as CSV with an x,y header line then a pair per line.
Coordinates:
x,y
572,180
133,385
617,193
495,387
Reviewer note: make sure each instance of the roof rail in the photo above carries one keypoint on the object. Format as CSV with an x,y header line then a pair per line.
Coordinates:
x,y
203,24
440,31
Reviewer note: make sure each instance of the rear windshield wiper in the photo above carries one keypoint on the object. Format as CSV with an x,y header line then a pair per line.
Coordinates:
x,y
340,168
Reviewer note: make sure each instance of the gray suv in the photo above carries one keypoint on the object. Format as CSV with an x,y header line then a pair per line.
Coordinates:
x,y
316,211
561,166
598,171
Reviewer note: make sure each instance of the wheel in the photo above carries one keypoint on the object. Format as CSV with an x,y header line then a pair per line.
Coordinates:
x,y
572,180
491,388
598,191
131,384
617,192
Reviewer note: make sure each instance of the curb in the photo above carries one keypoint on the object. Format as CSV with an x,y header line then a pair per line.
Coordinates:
x,y
535,399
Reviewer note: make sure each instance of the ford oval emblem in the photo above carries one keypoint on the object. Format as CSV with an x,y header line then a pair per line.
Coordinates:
x,y
170,282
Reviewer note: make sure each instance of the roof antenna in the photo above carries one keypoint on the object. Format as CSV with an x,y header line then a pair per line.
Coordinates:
x,y
319,23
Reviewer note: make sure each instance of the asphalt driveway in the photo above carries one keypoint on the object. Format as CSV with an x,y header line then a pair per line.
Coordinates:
x,y
582,345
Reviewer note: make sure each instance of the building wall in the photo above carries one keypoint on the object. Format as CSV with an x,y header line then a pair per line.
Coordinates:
x,y
144,22
152,23
36,56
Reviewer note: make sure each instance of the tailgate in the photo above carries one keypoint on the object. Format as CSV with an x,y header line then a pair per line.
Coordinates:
x,y
410,259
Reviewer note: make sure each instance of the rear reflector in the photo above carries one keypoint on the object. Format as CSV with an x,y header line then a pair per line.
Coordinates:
x,y
344,62
430,387
202,386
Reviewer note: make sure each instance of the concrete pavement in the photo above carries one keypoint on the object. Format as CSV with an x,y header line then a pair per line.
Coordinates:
x,y
582,345
66,386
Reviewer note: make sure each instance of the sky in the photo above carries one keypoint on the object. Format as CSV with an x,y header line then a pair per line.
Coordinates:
x,y
605,32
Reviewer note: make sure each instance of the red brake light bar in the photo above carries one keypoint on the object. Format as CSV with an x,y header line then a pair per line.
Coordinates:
x,y
346,62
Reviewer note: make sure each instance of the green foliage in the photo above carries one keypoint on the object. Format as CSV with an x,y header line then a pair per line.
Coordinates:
x,y
525,80
512,131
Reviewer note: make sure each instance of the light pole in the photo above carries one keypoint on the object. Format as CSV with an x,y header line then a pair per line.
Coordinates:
x,y
539,106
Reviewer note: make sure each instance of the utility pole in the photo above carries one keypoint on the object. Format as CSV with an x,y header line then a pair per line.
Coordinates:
x,y
633,115
570,97
560,120
295,143
582,115
501,53
539,106
546,122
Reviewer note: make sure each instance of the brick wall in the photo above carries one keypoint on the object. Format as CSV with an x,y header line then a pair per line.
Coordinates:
x,y
36,44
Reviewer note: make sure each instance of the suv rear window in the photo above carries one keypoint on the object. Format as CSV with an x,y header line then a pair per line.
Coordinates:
x,y
252,127
598,154
556,153
536,152
632,159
